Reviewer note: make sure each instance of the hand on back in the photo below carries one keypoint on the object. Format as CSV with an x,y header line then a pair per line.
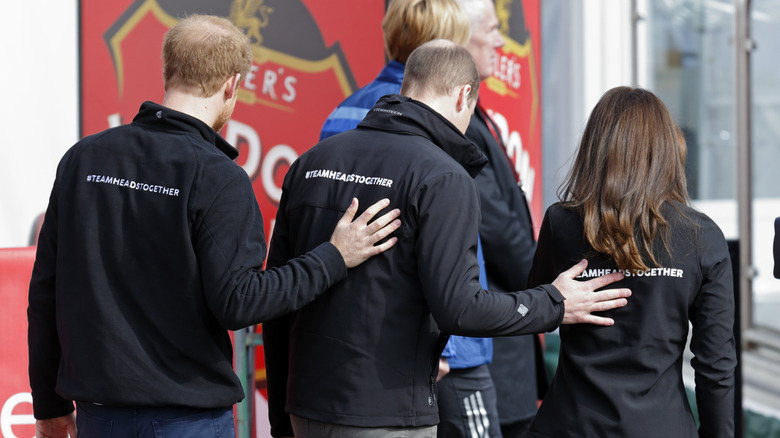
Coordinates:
x,y
582,299
356,239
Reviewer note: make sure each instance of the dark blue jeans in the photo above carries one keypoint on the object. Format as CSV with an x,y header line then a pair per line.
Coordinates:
x,y
93,421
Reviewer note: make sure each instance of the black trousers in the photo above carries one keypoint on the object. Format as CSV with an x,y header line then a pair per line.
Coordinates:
x,y
467,404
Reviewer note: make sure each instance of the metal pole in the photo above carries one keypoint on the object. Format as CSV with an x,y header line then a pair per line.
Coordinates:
x,y
743,45
634,45
245,343
240,365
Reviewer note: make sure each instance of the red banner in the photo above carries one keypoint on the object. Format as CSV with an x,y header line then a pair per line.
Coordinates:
x,y
309,55
513,97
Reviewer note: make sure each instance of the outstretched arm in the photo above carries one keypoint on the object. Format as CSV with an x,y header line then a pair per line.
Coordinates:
x,y
230,244
582,299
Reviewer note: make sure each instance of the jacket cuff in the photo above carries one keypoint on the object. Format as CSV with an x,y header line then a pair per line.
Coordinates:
x,y
557,298
53,407
333,262
285,429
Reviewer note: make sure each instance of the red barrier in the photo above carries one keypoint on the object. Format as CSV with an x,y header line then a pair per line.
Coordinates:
x,y
16,420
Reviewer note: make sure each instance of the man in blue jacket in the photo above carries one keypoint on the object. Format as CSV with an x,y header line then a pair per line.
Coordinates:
x,y
363,360
406,25
152,248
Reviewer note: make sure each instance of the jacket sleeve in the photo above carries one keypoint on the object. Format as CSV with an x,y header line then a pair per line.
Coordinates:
x,y
712,340
42,337
447,214
230,246
507,237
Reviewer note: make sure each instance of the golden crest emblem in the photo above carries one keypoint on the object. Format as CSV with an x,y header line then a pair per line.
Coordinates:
x,y
251,16
504,13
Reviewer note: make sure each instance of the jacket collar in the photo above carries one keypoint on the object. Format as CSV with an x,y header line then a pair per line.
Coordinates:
x,y
163,117
398,113
393,73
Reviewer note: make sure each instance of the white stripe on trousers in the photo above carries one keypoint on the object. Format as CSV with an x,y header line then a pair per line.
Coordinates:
x,y
477,415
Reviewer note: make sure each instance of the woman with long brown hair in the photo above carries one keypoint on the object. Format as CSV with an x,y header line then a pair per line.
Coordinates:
x,y
624,206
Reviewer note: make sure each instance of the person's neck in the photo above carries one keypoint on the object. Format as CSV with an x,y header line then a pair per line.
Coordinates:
x,y
206,109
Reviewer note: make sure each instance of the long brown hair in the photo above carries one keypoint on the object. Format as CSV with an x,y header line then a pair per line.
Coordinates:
x,y
629,164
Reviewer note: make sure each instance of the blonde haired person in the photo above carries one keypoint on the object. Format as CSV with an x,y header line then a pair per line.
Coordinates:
x,y
152,248
410,23
624,206
407,24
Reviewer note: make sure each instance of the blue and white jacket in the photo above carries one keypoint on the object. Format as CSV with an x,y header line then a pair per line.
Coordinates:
x,y
354,108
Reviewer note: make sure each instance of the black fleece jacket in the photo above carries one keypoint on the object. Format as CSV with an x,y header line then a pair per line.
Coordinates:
x,y
366,354
626,380
151,248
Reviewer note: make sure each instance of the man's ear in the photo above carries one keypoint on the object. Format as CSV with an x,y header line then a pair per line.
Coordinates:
x,y
231,86
462,104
